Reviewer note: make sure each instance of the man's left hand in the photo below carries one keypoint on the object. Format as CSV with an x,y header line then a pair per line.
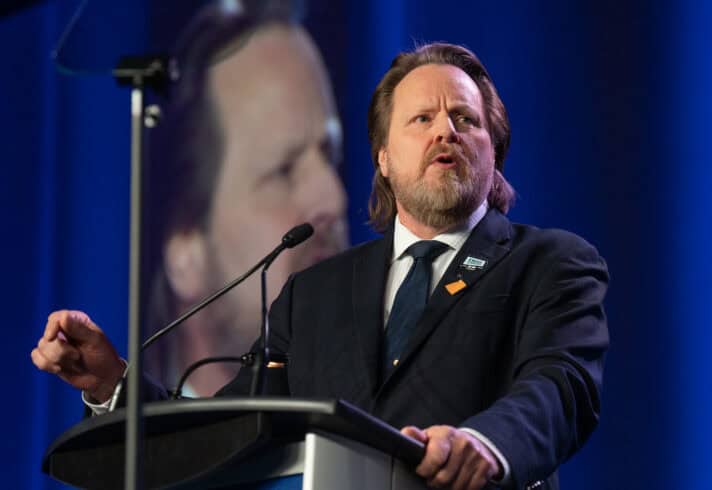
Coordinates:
x,y
454,458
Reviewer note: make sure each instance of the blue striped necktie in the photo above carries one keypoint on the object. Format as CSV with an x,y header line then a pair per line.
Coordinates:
x,y
410,301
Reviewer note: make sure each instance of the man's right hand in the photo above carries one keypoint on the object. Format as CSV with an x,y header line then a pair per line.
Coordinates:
x,y
76,349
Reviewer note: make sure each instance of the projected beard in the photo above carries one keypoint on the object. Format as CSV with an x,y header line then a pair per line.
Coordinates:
x,y
448,196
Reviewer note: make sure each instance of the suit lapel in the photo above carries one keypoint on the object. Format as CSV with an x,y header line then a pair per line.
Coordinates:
x,y
369,282
488,242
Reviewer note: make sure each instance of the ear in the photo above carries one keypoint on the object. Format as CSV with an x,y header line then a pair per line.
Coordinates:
x,y
186,265
383,161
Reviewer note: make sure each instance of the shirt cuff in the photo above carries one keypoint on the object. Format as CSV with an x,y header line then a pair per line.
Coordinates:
x,y
102,408
500,457
96,408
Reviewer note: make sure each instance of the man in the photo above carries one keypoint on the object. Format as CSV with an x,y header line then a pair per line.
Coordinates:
x,y
499,373
247,150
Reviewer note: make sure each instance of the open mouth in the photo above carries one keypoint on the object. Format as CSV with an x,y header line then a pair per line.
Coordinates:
x,y
444,160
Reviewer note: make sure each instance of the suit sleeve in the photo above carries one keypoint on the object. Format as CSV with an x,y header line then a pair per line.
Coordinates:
x,y
553,403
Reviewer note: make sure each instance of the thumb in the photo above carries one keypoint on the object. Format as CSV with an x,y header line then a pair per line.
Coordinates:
x,y
415,433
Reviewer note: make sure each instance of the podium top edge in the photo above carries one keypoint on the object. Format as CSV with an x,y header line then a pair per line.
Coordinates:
x,y
313,409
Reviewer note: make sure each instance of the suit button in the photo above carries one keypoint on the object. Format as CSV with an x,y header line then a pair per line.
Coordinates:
x,y
395,362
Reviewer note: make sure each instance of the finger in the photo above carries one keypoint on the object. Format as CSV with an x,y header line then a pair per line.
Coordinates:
x,y
415,433
43,363
485,460
58,351
479,478
52,325
465,478
77,326
439,431
452,467
489,468
437,452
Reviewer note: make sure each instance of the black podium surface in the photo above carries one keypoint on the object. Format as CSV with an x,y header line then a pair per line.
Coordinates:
x,y
192,443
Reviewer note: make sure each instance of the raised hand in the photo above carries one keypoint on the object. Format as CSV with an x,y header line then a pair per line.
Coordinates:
x,y
76,349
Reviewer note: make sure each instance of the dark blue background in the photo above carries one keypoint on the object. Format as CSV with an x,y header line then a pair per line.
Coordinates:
x,y
610,109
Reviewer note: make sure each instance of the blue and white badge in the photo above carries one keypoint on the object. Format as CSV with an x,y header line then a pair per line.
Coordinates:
x,y
473,263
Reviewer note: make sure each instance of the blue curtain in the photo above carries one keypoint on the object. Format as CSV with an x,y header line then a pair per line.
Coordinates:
x,y
65,200
610,107
686,167
609,104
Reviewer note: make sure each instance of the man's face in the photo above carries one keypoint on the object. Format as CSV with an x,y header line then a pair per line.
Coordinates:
x,y
282,139
438,158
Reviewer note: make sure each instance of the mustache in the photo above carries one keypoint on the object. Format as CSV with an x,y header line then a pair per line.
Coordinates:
x,y
453,151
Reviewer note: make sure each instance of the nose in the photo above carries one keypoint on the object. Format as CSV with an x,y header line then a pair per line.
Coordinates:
x,y
445,130
324,201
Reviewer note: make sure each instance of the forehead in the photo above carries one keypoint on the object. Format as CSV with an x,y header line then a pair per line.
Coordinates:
x,y
435,83
276,82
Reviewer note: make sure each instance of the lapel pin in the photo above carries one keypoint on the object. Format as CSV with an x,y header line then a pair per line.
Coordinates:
x,y
455,287
473,263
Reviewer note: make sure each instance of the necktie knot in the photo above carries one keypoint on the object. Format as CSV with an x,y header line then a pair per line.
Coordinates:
x,y
426,249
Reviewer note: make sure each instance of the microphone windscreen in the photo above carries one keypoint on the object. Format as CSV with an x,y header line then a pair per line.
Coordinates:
x,y
297,235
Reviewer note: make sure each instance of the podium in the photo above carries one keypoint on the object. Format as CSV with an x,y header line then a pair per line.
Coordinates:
x,y
242,443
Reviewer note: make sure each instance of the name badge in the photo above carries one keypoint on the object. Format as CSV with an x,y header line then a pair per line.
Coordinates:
x,y
473,263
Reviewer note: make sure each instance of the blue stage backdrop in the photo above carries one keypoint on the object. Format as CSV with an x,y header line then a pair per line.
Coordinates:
x,y
610,107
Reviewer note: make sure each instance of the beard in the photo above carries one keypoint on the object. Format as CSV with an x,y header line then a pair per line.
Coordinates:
x,y
451,197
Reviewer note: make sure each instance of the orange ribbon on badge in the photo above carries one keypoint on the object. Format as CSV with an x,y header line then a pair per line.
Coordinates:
x,y
455,287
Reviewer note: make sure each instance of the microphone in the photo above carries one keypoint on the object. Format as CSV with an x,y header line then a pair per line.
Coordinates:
x,y
297,235
291,239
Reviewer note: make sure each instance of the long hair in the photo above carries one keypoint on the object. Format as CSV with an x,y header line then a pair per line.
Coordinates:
x,y
382,203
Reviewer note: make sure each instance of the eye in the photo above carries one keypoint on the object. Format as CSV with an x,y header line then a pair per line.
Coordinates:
x,y
421,118
465,119
285,170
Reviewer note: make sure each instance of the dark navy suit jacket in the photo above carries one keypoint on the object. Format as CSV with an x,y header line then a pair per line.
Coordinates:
x,y
517,354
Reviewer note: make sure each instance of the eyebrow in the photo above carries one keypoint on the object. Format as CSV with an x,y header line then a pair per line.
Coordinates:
x,y
456,106
330,143
463,105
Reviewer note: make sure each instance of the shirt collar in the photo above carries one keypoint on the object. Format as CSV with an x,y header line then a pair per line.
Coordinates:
x,y
455,238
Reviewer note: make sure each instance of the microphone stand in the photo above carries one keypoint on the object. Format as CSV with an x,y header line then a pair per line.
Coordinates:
x,y
262,355
293,237
138,72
